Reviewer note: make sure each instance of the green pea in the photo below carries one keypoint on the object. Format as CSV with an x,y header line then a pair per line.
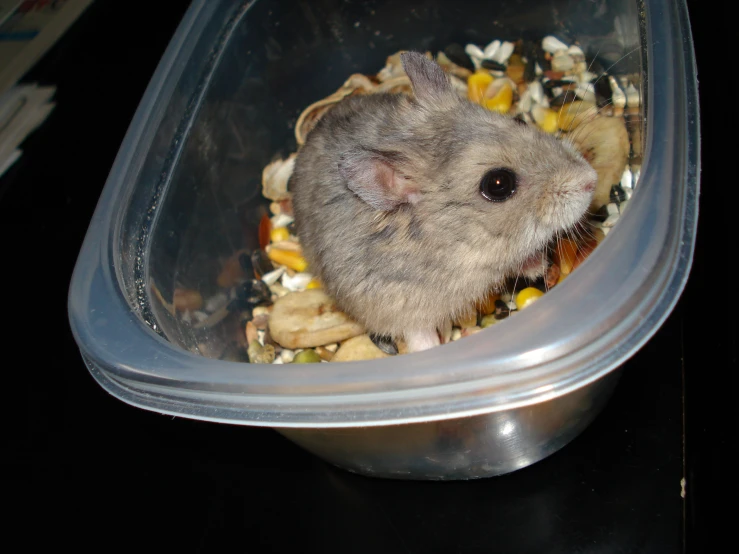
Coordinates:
x,y
307,357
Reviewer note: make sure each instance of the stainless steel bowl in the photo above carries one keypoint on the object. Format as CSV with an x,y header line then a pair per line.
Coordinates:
x,y
464,448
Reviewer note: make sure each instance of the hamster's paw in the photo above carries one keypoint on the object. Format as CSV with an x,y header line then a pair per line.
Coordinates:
x,y
422,340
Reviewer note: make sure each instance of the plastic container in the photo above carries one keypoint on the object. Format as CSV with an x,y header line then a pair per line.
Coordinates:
x,y
184,193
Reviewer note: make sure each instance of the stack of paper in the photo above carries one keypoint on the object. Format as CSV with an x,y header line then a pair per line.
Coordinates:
x,y
22,109
28,28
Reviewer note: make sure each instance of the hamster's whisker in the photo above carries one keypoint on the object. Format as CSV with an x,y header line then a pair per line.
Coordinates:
x,y
587,231
515,282
595,111
586,117
582,127
621,58
574,93
605,72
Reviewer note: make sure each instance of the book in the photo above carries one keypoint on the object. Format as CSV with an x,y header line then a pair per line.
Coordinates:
x,y
28,29
22,109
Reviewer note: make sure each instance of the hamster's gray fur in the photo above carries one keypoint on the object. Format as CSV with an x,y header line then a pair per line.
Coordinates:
x,y
386,195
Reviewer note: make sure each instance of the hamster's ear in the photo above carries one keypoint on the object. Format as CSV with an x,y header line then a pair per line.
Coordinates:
x,y
430,84
378,178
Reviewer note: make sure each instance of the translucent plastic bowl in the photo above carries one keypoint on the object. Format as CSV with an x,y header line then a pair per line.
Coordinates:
x,y
184,193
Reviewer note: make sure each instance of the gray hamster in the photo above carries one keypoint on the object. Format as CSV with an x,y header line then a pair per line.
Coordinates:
x,y
411,210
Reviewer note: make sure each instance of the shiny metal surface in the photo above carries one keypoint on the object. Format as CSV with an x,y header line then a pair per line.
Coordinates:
x,y
465,448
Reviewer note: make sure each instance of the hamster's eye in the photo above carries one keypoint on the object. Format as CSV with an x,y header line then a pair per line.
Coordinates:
x,y
498,185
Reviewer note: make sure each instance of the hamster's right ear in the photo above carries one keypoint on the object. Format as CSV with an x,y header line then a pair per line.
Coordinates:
x,y
430,84
381,179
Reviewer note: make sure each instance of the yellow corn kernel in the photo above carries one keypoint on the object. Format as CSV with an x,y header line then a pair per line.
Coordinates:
x,y
313,284
527,296
545,118
279,234
502,100
477,83
293,260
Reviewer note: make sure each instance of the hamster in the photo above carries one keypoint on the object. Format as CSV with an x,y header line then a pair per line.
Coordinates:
x,y
410,210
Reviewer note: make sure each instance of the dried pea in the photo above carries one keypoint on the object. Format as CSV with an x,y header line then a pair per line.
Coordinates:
x,y
307,357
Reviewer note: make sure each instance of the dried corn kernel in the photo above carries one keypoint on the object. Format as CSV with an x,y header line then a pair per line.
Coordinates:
x,y
564,255
279,234
501,101
477,84
293,260
527,296
313,284
545,118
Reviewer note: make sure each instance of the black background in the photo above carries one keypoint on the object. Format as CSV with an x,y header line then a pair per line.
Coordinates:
x,y
83,469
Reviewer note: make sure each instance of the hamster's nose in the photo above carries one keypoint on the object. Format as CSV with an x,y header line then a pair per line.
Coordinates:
x,y
590,186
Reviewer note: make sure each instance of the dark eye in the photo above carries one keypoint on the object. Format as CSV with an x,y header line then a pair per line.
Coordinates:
x,y
498,185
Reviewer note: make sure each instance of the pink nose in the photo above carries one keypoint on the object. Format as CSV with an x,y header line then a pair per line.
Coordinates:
x,y
590,187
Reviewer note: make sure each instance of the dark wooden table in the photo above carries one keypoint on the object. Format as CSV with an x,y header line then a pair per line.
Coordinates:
x,y
86,470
